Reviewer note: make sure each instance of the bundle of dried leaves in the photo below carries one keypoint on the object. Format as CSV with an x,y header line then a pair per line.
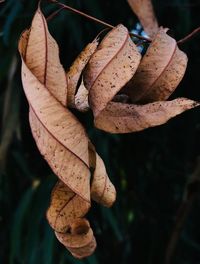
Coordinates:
x,y
111,74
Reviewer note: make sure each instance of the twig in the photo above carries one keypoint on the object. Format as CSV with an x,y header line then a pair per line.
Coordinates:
x,y
191,193
50,17
94,18
190,36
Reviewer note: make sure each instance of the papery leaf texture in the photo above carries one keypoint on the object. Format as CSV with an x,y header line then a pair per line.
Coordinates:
x,y
145,13
60,138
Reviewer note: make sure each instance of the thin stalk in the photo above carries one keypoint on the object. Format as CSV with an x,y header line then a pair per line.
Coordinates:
x,y
94,18
189,36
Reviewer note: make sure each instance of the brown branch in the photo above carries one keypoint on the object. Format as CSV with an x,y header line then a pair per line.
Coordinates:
x,y
50,17
189,36
191,193
94,18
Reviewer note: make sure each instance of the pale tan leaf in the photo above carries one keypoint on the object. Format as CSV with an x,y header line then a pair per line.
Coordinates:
x,y
75,71
80,245
126,118
66,206
110,67
102,190
145,13
81,98
59,136
160,71
41,54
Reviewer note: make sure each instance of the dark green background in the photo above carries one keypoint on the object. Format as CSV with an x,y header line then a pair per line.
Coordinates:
x,y
150,169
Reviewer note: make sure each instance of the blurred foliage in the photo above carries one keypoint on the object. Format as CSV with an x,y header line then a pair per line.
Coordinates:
x,y
150,169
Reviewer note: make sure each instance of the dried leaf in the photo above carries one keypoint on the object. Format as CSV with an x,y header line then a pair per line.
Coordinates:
x,y
81,99
75,71
46,64
110,68
65,207
60,138
58,134
102,190
160,71
126,118
145,13
80,245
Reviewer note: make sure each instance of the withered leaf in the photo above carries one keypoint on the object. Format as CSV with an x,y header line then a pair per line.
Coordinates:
x,y
126,118
60,138
46,63
102,190
66,206
110,67
145,13
80,245
75,71
160,71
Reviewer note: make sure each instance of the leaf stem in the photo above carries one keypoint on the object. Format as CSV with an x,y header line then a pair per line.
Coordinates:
x,y
63,6
189,36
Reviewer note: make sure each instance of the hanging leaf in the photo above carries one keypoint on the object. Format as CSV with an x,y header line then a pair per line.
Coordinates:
x,y
160,71
60,138
126,118
65,207
80,241
145,13
102,190
74,74
110,68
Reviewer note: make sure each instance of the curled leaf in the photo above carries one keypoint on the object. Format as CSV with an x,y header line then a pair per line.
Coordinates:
x,y
38,43
110,68
81,98
81,245
74,74
66,206
160,71
60,137
102,190
126,118
145,13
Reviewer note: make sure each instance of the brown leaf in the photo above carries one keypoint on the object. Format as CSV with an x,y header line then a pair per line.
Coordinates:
x,y
66,206
160,71
81,99
38,43
58,134
126,118
102,190
75,71
110,68
80,245
145,13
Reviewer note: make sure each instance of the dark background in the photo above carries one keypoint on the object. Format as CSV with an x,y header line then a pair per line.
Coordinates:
x,y
150,169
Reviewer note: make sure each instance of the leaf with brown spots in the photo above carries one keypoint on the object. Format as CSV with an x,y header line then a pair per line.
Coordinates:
x,y
145,13
160,71
80,240
75,71
102,190
126,118
110,68
65,207
60,137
